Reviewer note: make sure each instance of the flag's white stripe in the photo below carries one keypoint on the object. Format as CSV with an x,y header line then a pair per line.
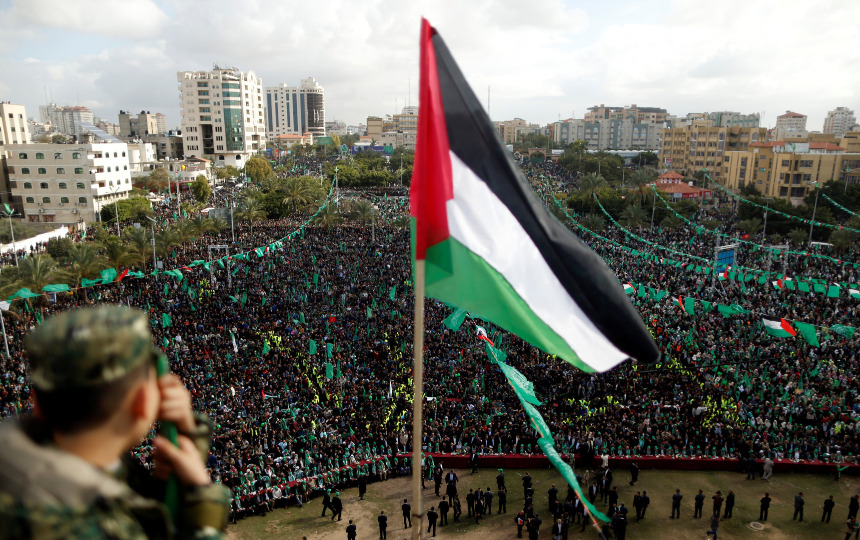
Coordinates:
x,y
483,224
775,325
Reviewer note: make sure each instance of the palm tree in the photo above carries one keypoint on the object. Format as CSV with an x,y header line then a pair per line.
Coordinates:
x,y
115,252
842,240
164,242
199,225
640,185
300,192
361,211
218,224
139,243
593,222
329,216
182,231
250,210
589,184
84,262
34,272
798,236
750,226
633,216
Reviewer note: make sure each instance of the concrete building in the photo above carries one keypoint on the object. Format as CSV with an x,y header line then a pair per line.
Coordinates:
x,y
791,121
510,130
14,128
138,125
734,119
141,157
785,169
638,115
608,134
222,115
839,121
67,183
168,146
295,110
160,123
375,128
65,120
701,145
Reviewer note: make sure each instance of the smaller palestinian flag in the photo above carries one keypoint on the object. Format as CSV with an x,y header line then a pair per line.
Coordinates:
x,y
629,289
482,334
725,273
121,276
778,328
680,302
854,293
778,284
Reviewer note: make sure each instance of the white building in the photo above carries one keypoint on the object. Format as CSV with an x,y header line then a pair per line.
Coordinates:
x,y
222,115
66,120
14,128
67,183
840,121
138,125
141,157
295,110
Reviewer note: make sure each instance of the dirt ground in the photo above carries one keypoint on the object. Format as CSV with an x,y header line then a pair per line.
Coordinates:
x,y
295,523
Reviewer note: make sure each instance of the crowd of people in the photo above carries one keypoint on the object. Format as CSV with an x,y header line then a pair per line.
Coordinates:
x,y
302,357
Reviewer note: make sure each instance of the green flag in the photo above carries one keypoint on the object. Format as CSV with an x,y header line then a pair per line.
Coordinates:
x,y
329,370
316,279
455,319
244,298
844,331
339,375
108,275
808,332
59,287
165,320
392,293
266,348
329,348
312,347
369,312
689,305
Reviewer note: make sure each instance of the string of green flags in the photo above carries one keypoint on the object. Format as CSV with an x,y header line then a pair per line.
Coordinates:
x,y
839,206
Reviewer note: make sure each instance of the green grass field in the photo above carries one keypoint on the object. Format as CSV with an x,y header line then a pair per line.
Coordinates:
x,y
387,496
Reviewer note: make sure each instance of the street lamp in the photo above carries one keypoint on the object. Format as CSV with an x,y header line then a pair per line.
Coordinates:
x,y
115,192
764,230
373,209
814,208
154,258
9,212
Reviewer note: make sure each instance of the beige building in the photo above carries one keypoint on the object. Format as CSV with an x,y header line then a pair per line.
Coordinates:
x,y
840,121
14,128
375,127
67,183
785,169
138,125
703,146
791,121
510,130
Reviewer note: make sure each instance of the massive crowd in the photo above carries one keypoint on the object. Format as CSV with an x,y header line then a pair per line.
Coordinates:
x,y
303,361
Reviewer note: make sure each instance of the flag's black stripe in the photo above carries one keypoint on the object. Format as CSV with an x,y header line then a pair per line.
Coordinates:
x,y
584,275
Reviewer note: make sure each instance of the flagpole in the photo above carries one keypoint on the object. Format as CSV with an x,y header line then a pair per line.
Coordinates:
x,y
418,399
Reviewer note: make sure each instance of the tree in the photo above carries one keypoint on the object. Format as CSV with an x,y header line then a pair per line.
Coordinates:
x,y
139,244
34,272
258,168
670,222
58,139
749,190
649,159
59,248
590,184
84,262
640,182
200,189
133,208
798,236
200,225
165,240
157,181
632,216
300,192
842,239
250,210
330,215
750,226
362,210
115,252
593,222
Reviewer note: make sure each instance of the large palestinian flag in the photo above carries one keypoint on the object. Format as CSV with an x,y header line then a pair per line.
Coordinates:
x,y
492,249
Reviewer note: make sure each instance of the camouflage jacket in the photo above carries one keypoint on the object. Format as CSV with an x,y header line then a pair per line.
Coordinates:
x,y
48,493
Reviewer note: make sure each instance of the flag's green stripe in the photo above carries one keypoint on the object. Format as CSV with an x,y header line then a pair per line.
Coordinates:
x,y
480,289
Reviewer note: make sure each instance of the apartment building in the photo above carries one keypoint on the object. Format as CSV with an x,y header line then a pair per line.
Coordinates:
x,y
295,110
701,145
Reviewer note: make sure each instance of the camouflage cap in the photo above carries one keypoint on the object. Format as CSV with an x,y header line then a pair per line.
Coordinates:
x,y
88,346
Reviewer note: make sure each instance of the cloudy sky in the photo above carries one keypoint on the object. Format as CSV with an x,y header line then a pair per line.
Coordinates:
x,y
542,59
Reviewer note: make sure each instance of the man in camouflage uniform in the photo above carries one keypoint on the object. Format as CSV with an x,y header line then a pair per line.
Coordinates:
x,y
63,470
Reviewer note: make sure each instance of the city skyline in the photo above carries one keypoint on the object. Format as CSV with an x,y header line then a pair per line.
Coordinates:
x,y
548,62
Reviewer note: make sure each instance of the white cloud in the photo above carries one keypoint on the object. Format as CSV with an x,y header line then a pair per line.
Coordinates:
x,y
134,19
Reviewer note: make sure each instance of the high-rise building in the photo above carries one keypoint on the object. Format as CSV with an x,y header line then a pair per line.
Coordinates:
x,y
14,128
839,121
702,145
138,125
734,119
160,123
295,110
791,121
66,120
223,117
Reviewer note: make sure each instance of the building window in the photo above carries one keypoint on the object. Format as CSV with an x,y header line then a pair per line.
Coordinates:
x,y
806,163
30,200
22,155
80,185
114,154
61,170
25,170
125,167
76,155
123,154
58,155
785,163
28,185
43,170
43,185
46,200
62,185
64,200
40,155
82,200
79,170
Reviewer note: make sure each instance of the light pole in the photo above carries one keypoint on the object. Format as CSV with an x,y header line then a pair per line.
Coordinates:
x,y
847,170
814,208
373,223
115,193
154,258
178,196
9,212
232,228
764,230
